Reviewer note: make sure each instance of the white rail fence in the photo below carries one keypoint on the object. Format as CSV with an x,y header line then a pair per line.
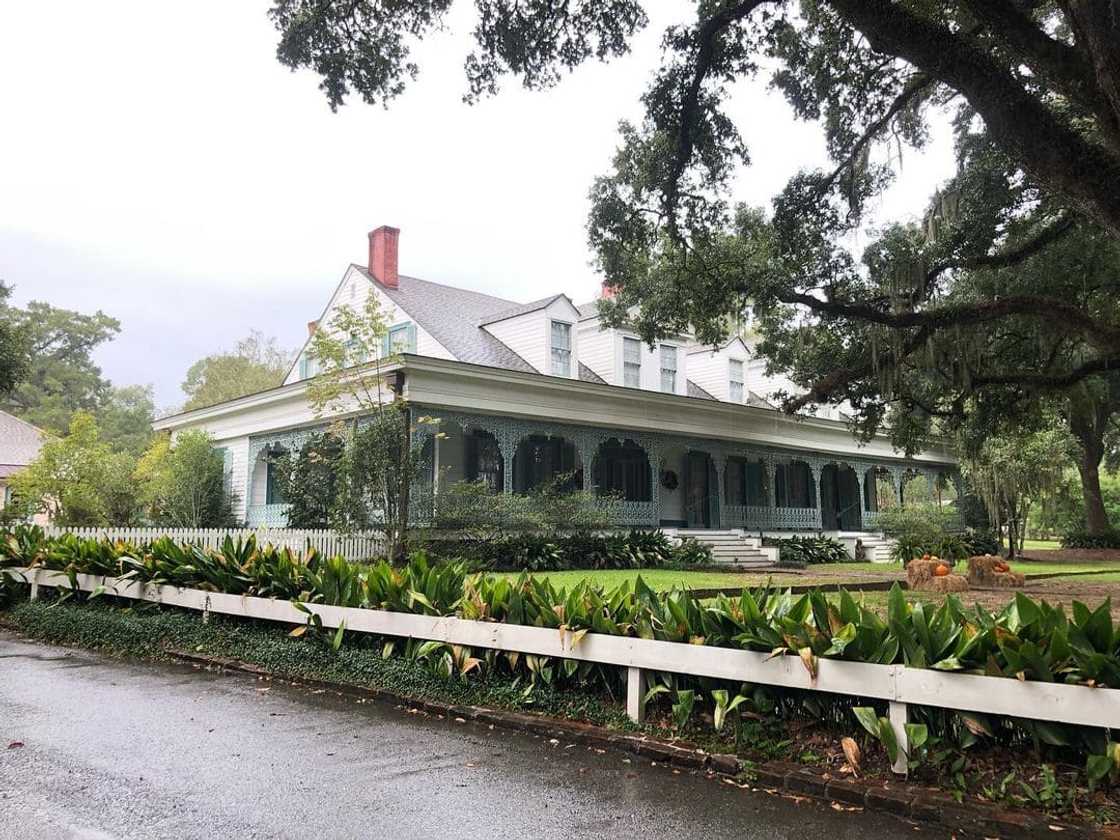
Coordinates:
x,y
899,685
359,545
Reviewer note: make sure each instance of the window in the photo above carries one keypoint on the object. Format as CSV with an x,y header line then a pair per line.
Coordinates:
x,y
631,363
273,495
400,339
561,349
623,470
735,482
668,368
735,377
308,366
484,461
355,353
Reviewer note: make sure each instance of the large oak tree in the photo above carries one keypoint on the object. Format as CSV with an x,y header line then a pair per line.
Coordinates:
x,y
903,333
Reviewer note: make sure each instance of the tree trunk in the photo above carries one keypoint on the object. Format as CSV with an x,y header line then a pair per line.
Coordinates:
x,y
1096,518
1088,422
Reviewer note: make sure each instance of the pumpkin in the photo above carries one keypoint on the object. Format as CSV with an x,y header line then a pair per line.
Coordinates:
x,y
925,556
1002,568
941,571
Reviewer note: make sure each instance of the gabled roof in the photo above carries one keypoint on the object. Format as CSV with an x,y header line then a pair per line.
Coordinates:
x,y
696,391
524,309
19,443
452,315
586,374
588,310
696,347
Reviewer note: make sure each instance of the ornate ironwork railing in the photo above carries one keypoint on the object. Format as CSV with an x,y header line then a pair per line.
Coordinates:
x,y
268,516
622,512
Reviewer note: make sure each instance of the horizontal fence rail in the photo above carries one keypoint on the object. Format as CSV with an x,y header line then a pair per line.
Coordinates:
x,y
357,545
899,685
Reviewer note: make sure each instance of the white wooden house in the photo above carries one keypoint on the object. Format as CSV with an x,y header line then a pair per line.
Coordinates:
x,y
675,435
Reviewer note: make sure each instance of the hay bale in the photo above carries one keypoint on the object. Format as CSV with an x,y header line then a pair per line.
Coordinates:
x,y
947,584
920,576
982,572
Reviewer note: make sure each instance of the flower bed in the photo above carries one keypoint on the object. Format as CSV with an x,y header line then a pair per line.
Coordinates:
x,y
1059,665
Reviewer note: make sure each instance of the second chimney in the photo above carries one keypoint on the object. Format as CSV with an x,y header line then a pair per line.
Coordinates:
x,y
383,255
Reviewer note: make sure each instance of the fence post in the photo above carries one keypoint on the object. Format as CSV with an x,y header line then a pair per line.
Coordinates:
x,y
635,705
34,586
899,716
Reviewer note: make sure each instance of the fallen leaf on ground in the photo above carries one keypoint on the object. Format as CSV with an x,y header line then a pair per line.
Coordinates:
x,y
15,745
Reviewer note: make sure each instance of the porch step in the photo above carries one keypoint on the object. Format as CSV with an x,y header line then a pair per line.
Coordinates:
x,y
878,548
734,549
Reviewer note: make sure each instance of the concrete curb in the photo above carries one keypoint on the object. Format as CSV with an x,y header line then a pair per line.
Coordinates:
x,y
908,801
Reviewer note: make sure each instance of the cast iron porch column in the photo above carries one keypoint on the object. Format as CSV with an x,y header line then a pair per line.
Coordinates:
x,y
816,469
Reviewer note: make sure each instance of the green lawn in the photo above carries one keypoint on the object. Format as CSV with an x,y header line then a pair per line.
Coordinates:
x,y
832,573
660,579
1041,544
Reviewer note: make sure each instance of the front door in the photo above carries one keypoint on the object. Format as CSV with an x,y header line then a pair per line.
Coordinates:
x,y
697,490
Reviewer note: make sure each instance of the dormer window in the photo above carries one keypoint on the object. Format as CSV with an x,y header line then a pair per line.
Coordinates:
x,y
400,339
735,380
668,369
631,363
561,348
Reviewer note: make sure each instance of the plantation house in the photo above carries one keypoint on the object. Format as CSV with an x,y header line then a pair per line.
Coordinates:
x,y
676,435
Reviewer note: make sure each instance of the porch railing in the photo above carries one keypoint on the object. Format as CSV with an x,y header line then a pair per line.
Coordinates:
x,y
622,512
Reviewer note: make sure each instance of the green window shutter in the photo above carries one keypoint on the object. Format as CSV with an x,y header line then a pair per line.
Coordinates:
x,y
411,343
385,346
303,367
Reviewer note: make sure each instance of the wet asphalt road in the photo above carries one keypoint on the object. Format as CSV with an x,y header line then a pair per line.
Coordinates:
x,y
119,750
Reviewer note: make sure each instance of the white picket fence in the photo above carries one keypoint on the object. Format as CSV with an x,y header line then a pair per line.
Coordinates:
x,y
899,685
359,545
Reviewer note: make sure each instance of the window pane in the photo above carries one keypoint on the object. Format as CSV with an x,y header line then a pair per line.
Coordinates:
x,y
736,391
668,369
561,362
632,375
668,357
736,370
632,350
561,335
561,349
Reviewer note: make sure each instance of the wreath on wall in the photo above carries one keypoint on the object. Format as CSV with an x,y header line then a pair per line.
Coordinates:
x,y
669,480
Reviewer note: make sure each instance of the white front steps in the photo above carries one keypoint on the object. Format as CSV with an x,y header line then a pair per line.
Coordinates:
x,y
734,548
877,548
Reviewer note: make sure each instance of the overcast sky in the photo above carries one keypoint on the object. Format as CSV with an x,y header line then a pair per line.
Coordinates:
x,y
159,164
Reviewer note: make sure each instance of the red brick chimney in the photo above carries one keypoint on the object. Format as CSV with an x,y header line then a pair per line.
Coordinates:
x,y
383,255
607,291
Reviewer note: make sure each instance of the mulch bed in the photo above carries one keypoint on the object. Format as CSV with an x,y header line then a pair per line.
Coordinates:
x,y
1073,555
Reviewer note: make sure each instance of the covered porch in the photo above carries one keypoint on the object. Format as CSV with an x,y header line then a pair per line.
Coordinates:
x,y
650,480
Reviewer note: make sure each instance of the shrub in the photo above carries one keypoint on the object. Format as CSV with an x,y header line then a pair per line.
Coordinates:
x,y
981,541
473,509
538,553
809,550
1083,539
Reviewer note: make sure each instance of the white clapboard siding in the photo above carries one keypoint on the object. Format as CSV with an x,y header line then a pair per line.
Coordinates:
x,y
359,545
899,685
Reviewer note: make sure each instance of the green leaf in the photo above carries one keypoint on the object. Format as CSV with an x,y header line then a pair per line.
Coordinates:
x,y
1098,767
916,735
660,688
867,718
336,642
889,739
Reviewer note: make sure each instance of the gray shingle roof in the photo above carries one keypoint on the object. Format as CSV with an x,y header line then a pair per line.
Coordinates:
x,y
586,374
451,315
19,443
519,310
695,390
757,401
588,310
